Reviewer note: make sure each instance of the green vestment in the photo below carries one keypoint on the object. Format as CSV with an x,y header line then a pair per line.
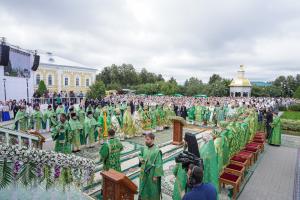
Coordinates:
x,y
75,131
275,137
90,127
180,182
210,161
110,154
21,121
37,120
152,166
62,137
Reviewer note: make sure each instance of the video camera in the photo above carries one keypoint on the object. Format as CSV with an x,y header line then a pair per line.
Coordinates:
x,y
186,158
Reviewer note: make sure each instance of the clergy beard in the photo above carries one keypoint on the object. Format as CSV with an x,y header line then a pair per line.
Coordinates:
x,y
149,145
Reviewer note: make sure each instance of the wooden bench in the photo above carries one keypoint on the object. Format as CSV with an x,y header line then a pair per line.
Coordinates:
x,y
248,155
236,170
238,160
230,179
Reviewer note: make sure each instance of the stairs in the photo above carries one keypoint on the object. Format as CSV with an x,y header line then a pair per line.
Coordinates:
x,y
129,164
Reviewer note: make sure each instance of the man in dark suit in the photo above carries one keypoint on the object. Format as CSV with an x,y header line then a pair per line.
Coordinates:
x,y
269,120
183,112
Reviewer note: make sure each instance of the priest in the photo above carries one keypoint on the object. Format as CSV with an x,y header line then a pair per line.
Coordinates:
x,y
61,135
275,138
151,170
110,152
21,120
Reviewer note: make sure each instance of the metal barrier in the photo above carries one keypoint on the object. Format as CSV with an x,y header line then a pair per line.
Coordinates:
x,y
42,100
11,137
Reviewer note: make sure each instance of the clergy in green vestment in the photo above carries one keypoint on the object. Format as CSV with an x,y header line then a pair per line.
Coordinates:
x,y
75,130
180,182
220,116
61,135
153,119
110,152
128,125
98,112
90,127
37,118
146,120
210,161
81,117
275,138
115,124
191,115
151,170
159,118
90,109
60,110
199,114
137,120
21,120
81,114
50,118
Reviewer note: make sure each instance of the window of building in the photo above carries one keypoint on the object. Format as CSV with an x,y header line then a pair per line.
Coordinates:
x,y
38,79
66,81
77,81
87,82
50,80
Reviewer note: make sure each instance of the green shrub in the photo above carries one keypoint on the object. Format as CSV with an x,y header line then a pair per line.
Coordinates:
x,y
282,108
292,125
295,107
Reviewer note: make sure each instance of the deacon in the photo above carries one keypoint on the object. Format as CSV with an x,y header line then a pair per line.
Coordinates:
x,y
90,127
61,135
151,170
21,120
50,118
75,131
110,152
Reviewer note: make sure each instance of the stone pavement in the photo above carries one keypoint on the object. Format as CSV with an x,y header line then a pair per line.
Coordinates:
x,y
273,178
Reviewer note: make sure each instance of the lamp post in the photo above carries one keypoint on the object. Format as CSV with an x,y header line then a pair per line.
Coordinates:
x,y
27,90
4,80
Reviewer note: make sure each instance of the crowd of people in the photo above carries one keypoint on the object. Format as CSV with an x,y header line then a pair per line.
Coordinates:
x,y
116,118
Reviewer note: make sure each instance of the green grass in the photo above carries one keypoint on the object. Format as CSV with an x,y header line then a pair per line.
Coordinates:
x,y
291,115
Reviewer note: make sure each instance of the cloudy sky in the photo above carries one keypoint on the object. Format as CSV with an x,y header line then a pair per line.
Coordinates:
x,y
172,37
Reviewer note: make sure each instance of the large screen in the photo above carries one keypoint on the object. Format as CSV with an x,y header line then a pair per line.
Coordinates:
x,y
20,63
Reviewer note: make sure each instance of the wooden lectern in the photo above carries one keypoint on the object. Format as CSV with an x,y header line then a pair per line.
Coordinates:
x,y
178,123
117,186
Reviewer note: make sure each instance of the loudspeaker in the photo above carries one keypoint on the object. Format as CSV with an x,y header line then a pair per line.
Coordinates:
x,y
36,62
4,56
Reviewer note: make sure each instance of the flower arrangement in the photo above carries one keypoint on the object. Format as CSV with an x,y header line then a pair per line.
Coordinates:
x,y
29,166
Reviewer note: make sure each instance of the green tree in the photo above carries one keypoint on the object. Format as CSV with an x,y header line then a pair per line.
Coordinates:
x,y
193,86
42,89
297,93
97,90
214,78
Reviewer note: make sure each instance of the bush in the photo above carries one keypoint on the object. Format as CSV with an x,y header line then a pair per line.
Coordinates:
x,y
297,93
292,125
282,108
295,107
97,90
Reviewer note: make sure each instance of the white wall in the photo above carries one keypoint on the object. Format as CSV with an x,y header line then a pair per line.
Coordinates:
x,y
16,88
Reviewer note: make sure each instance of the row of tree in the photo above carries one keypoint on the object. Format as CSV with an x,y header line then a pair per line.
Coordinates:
x,y
126,76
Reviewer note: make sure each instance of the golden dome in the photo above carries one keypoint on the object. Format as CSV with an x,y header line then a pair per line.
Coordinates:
x,y
240,80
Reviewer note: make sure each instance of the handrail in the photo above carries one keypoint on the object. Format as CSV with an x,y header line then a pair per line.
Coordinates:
x,y
20,135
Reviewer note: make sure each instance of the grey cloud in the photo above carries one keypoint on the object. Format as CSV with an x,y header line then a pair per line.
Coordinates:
x,y
172,37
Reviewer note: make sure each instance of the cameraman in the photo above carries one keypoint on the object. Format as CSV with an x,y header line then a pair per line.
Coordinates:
x,y
203,191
